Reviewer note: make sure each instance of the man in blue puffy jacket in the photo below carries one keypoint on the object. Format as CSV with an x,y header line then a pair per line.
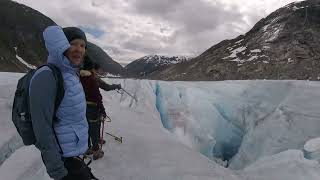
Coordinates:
x,y
64,140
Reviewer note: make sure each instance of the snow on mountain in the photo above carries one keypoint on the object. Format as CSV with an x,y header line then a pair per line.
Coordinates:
x,y
30,66
260,128
148,64
164,60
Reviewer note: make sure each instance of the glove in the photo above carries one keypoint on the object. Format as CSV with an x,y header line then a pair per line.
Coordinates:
x,y
117,86
103,116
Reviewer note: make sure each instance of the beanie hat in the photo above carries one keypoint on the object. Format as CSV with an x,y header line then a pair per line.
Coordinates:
x,y
73,33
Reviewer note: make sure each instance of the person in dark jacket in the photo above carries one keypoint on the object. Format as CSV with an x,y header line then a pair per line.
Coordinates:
x,y
61,136
95,109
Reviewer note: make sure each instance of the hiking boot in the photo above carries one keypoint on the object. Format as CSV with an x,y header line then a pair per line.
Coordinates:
x,y
97,154
89,151
102,141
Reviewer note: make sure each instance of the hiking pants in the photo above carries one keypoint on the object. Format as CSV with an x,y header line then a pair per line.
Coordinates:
x,y
94,134
93,117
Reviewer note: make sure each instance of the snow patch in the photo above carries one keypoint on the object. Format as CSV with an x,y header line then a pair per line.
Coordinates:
x,y
239,41
240,61
30,66
235,51
252,58
256,51
290,60
265,27
164,60
294,8
272,35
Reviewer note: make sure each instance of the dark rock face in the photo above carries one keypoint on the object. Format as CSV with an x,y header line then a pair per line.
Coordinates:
x,y
284,45
21,34
106,62
22,44
149,64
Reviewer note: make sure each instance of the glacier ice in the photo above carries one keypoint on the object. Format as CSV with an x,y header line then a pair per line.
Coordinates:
x,y
312,149
261,128
239,121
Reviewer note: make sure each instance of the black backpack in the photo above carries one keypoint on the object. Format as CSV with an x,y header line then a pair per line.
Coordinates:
x,y
21,112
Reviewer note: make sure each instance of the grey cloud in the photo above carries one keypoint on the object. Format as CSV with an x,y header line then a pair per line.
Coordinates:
x,y
77,17
146,44
196,25
193,15
155,7
134,28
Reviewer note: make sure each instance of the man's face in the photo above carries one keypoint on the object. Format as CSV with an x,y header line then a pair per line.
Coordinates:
x,y
76,51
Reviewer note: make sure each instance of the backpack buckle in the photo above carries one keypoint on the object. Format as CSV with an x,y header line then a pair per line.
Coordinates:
x,y
23,116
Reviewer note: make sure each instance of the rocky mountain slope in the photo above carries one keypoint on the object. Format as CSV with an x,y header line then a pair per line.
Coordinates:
x,y
22,45
284,45
21,36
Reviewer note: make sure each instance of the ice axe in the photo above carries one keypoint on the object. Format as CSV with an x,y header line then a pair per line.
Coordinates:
x,y
102,128
123,90
119,139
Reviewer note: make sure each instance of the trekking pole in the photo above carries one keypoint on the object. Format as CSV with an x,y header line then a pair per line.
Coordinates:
x,y
102,132
119,139
123,90
108,118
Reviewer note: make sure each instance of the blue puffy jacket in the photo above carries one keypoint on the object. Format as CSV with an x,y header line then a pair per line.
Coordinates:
x,y
71,127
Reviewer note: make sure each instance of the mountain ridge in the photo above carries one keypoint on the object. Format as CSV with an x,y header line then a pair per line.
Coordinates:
x,y
283,45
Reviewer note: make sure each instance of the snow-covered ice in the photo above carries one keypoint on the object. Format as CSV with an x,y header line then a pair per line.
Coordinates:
x,y
148,151
286,165
184,130
312,149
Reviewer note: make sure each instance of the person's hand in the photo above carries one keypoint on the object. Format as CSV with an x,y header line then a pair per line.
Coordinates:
x,y
103,117
117,86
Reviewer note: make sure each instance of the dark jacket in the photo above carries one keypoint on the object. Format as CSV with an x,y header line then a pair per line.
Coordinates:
x,y
91,84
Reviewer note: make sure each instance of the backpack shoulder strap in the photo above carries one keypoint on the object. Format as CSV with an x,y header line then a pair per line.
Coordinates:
x,y
60,94
59,80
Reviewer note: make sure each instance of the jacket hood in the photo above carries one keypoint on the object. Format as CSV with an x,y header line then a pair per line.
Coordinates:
x,y
85,73
56,44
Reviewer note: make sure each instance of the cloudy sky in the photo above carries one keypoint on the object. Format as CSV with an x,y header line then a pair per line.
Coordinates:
x,y
130,29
